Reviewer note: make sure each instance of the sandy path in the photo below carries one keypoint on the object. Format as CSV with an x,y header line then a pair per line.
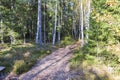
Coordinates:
x,y
53,67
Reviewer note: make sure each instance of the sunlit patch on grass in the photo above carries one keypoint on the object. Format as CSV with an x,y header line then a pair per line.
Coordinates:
x,y
101,65
20,58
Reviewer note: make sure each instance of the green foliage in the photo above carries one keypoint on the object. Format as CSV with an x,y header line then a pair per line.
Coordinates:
x,y
67,40
3,46
87,57
109,58
20,58
19,18
19,66
103,34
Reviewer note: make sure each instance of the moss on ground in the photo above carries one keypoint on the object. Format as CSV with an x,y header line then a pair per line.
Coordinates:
x,y
20,58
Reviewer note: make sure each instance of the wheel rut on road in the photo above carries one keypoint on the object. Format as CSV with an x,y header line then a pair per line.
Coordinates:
x,y
53,67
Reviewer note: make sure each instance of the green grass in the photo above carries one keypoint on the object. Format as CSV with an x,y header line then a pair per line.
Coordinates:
x,y
20,58
67,41
89,57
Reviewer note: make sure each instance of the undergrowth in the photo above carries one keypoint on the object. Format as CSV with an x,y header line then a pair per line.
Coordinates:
x,y
20,58
92,56
66,41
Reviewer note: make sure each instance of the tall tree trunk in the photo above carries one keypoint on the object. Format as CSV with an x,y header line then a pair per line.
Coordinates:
x,y
1,32
37,34
32,30
54,31
45,22
74,29
39,25
59,27
79,35
12,38
88,20
24,36
81,22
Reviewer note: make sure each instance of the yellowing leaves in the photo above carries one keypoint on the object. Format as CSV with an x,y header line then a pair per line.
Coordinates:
x,y
115,49
105,18
112,2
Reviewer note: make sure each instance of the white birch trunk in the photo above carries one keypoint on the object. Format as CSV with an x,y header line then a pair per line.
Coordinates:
x,y
79,37
24,38
45,22
39,25
12,38
37,34
59,27
54,31
1,32
81,21
88,21
74,29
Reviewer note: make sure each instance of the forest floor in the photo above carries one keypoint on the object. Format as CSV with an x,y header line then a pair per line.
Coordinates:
x,y
56,66
53,67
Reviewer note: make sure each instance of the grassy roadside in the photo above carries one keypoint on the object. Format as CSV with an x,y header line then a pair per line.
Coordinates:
x,y
20,58
97,63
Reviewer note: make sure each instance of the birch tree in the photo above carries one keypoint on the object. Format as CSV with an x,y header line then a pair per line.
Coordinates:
x,y
81,22
1,32
59,27
60,21
54,30
39,25
1,22
44,22
88,20
12,38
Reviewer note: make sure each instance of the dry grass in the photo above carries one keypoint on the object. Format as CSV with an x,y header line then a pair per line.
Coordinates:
x,y
26,54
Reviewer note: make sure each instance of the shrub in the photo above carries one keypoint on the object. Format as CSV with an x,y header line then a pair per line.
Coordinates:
x,y
67,40
19,66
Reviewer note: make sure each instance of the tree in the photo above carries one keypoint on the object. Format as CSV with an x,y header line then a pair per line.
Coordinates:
x,y
81,22
1,22
44,22
88,20
54,30
39,25
1,32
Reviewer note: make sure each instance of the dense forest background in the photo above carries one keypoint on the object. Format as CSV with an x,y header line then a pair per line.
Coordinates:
x,y
19,20
95,24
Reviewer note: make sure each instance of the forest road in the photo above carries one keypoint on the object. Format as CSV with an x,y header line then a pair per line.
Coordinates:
x,y
53,67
